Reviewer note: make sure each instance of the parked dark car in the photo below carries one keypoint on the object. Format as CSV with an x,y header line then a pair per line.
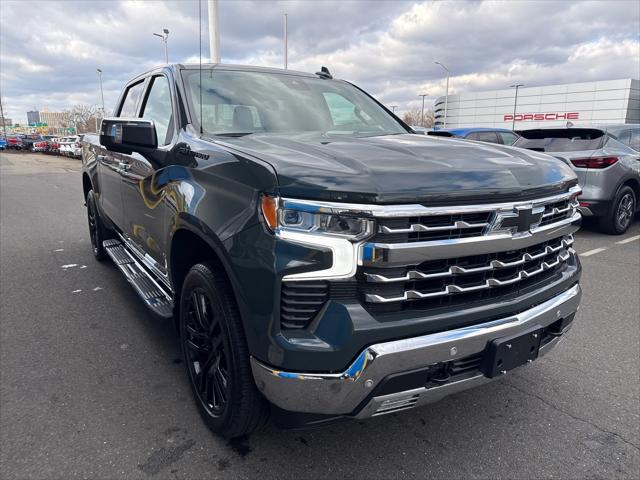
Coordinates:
x,y
319,260
607,169
500,136
29,140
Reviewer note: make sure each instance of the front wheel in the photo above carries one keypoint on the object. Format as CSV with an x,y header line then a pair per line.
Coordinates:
x,y
216,354
618,219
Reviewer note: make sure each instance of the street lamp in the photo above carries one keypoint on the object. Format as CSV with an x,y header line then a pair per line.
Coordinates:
x,y
164,35
393,108
101,92
422,114
446,98
515,103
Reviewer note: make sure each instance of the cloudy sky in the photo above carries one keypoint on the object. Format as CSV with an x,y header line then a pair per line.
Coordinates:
x,y
49,50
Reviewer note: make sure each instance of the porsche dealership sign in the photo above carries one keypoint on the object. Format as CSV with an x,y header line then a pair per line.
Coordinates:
x,y
538,117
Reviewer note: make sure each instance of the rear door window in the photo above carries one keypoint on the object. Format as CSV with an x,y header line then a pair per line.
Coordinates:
x,y
630,137
130,101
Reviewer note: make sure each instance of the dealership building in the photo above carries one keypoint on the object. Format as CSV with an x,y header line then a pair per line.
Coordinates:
x,y
587,103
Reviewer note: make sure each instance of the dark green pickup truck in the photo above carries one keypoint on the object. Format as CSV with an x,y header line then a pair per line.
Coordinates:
x,y
320,260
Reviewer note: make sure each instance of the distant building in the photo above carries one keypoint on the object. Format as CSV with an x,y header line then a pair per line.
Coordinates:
x,y
5,122
33,116
54,119
587,103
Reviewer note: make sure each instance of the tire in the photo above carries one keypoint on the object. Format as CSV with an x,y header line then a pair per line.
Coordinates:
x,y
96,228
216,355
618,219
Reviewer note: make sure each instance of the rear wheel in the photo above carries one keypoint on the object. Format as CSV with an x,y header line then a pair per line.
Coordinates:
x,y
618,219
96,228
216,354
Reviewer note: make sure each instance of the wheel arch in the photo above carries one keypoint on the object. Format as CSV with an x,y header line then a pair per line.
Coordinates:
x,y
189,245
86,184
635,186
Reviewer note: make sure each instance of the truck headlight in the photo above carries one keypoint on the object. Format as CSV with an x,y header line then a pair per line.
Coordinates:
x,y
307,217
321,223
338,227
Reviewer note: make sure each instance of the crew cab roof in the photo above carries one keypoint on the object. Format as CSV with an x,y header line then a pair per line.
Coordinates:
x,y
223,67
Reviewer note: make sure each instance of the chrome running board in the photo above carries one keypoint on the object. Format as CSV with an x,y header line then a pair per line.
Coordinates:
x,y
151,292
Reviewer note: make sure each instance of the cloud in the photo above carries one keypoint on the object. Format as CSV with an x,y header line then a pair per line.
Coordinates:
x,y
49,57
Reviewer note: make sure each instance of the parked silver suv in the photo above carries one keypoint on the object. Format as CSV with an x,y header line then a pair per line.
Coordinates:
x,y
608,169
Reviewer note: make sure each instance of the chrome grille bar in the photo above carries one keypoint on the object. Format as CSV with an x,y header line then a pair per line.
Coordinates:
x,y
455,270
489,283
418,227
557,211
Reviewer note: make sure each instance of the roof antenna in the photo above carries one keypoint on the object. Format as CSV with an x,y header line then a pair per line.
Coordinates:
x,y
200,69
324,73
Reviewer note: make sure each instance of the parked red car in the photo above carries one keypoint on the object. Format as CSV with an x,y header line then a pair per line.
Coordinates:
x,y
15,143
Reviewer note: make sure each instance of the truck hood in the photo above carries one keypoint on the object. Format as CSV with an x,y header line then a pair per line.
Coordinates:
x,y
403,168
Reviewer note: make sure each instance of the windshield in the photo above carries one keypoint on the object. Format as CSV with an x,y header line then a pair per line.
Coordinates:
x,y
236,102
561,140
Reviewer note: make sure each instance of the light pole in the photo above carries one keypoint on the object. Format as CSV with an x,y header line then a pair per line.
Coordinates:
x,y
101,92
286,35
446,98
4,124
164,35
393,108
515,104
422,114
214,32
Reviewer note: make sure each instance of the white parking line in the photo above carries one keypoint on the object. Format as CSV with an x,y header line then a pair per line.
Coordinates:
x,y
628,240
592,252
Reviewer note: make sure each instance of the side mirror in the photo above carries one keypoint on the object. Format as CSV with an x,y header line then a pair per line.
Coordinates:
x,y
127,135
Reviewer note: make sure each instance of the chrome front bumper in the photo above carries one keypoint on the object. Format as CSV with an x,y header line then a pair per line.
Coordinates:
x,y
341,393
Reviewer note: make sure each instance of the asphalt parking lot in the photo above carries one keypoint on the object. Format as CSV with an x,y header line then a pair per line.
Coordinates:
x,y
92,386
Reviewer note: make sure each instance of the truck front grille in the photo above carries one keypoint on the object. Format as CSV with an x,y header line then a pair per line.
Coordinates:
x,y
427,259
454,281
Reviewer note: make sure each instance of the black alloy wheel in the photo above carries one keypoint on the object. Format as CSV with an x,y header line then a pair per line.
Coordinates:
x,y
96,229
206,353
216,355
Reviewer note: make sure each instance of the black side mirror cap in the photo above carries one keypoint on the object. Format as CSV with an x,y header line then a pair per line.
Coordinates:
x,y
127,135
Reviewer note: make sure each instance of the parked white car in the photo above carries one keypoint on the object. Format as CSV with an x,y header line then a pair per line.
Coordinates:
x,y
70,146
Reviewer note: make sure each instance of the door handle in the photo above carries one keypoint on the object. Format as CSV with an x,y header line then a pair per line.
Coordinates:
x,y
124,166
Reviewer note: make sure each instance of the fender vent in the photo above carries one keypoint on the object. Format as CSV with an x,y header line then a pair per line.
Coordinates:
x,y
300,302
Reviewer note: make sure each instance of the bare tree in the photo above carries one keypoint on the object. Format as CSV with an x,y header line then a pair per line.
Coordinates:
x,y
414,117
84,118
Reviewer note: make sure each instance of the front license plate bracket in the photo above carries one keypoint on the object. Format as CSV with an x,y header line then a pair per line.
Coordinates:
x,y
507,353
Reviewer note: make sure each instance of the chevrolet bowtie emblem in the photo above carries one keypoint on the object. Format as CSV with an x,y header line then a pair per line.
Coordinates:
x,y
520,220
